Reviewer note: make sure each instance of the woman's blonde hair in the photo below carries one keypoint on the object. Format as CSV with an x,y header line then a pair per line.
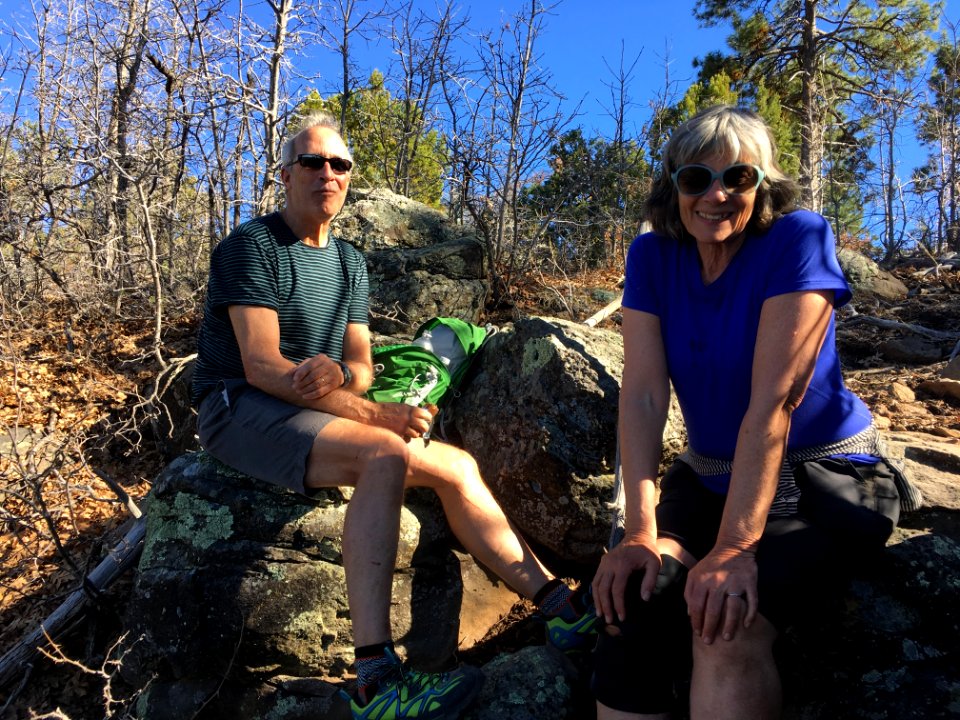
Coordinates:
x,y
722,131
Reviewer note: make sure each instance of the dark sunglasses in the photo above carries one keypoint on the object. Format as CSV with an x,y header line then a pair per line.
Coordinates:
x,y
737,179
316,162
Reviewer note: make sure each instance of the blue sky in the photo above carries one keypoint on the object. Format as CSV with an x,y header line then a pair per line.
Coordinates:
x,y
583,37
582,41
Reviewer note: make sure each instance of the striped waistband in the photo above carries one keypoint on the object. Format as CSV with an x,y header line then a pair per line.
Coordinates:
x,y
865,442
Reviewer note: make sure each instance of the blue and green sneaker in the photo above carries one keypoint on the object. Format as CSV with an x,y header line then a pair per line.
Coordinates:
x,y
580,631
404,694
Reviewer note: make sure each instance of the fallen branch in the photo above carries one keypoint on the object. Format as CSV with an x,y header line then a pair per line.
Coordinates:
x,y
603,313
895,325
20,658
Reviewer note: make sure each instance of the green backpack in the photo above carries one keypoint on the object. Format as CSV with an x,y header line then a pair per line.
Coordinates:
x,y
431,368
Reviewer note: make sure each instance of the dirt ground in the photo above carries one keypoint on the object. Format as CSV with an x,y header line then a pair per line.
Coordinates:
x,y
72,413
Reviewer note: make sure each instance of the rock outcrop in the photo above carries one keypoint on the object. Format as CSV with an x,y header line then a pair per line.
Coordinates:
x,y
241,583
540,416
865,276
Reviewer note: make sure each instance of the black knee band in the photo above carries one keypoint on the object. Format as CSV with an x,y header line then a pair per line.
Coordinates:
x,y
672,573
639,662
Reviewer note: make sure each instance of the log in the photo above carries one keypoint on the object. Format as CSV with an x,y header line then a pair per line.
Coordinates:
x,y
19,658
603,313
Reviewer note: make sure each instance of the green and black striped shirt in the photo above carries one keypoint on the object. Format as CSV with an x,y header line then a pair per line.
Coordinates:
x,y
315,291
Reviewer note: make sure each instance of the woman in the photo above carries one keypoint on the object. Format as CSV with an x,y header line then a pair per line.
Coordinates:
x,y
783,489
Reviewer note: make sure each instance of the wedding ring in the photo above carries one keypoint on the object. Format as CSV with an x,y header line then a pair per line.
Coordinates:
x,y
739,595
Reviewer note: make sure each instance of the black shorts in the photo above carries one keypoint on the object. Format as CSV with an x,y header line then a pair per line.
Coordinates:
x,y
846,512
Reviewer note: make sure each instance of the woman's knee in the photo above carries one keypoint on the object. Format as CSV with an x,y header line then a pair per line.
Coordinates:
x,y
747,648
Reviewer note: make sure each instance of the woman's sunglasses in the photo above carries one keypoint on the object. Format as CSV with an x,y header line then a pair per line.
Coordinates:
x,y
737,179
316,162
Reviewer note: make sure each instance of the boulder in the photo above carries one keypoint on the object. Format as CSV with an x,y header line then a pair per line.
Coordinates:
x,y
420,264
540,417
241,583
911,350
379,219
867,277
408,287
533,683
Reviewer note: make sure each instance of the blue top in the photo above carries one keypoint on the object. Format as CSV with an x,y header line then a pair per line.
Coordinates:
x,y
315,291
710,332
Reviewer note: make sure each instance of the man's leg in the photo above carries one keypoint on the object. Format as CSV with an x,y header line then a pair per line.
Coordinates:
x,y
474,515
374,462
484,530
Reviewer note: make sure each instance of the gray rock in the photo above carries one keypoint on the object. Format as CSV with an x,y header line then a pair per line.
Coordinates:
x,y
408,287
532,684
911,350
241,582
867,277
540,417
379,219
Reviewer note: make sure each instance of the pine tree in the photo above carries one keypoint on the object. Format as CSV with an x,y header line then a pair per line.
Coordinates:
x,y
374,131
819,56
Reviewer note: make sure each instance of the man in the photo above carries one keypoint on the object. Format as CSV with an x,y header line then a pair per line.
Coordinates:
x,y
284,357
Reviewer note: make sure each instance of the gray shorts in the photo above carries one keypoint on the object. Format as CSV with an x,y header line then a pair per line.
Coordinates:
x,y
259,434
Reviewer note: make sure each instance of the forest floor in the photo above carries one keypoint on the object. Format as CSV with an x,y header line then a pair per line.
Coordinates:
x,y
72,412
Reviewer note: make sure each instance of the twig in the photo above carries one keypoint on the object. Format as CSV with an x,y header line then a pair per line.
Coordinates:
x,y
122,494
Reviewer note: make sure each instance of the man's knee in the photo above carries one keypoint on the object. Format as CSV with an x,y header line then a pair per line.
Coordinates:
x,y
374,453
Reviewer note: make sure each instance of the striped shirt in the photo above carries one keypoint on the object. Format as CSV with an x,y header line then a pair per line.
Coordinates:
x,y
315,291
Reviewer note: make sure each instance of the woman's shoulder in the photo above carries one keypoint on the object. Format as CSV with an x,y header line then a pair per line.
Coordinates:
x,y
800,220
654,240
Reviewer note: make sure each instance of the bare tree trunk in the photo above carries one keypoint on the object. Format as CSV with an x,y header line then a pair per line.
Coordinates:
x,y
811,139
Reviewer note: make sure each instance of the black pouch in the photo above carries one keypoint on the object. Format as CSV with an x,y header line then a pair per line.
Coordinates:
x,y
858,501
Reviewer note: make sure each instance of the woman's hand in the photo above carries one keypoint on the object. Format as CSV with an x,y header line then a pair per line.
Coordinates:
x,y
721,593
635,553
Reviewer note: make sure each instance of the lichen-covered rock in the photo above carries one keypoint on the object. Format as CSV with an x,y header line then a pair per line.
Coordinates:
x,y
540,417
240,581
535,683
377,219
868,277
408,287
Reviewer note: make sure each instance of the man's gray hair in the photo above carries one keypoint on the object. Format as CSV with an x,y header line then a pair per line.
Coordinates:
x,y
315,118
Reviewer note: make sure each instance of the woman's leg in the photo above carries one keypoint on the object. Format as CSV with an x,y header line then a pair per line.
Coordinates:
x,y
738,678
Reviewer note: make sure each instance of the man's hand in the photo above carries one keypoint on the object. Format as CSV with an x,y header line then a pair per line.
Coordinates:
x,y
407,421
635,553
316,376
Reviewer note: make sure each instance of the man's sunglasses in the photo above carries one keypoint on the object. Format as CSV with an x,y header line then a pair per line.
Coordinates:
x,y
737,179
316,162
